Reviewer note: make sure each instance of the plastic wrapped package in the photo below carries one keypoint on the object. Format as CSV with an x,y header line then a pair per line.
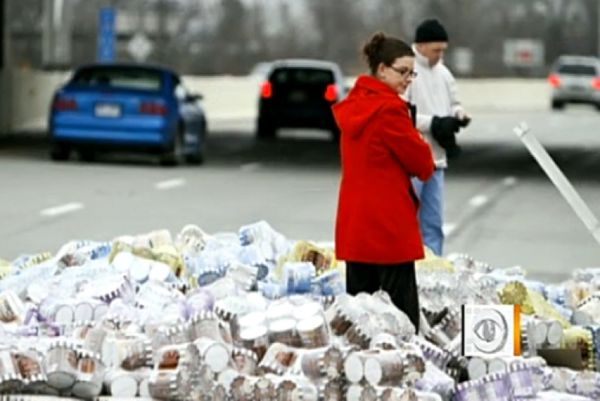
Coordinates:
x,y
331,283
191,239
19,283
531,302
262,233
323,259
437,381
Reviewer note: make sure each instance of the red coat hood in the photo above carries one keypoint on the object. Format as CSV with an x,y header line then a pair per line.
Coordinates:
x,y
364,100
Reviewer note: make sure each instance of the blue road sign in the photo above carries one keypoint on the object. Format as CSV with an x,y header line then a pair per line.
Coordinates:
x,y
106,34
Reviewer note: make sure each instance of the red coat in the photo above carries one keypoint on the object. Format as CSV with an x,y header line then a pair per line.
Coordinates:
x,y
381,151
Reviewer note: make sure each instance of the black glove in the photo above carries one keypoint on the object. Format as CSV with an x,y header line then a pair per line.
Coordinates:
x,y
444,130
464,122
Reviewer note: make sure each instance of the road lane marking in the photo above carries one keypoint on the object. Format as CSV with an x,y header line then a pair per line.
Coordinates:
x,y
477,206
250,166
448,229
478,201
169,184
509,181
62,209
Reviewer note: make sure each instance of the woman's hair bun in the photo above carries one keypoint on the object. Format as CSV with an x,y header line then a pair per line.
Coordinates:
x,y
373,46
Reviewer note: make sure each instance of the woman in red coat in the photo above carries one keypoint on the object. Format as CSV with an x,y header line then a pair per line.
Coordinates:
x,y
377,232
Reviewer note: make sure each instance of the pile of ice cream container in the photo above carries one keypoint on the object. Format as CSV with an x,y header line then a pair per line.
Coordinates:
x,y
253,315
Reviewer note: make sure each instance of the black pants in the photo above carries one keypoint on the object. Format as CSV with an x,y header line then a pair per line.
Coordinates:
x,y
398,281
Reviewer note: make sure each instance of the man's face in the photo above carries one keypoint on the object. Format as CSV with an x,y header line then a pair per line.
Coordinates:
x,y
433,51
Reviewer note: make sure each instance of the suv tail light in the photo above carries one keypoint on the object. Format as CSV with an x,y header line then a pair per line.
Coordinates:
x,y
596,83
153,108
331,93
64,104
266,90
554,80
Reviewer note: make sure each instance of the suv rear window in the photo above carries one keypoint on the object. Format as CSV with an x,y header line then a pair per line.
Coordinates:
x,y
302,76
577,69
123,78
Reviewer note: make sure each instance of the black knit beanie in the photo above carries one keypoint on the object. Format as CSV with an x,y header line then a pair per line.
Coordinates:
x,y
431,31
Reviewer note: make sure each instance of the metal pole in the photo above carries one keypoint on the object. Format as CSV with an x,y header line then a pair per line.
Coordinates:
x,y
559,180
5,71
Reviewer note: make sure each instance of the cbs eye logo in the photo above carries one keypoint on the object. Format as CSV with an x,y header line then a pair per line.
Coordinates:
x,y
490,331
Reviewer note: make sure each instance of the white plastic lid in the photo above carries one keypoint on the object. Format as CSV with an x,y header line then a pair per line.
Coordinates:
x,y
253,332
84,312
217,357
123,261
373,372
307,310
139,270
354,392
497,365
159,271
99,311
310,324
282,325
555,332
540,332
124,385
353,367
64,314
477,368
252,319
37,291
226,377
279,310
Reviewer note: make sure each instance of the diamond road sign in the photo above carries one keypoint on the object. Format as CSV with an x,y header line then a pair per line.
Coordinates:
x,y
140,47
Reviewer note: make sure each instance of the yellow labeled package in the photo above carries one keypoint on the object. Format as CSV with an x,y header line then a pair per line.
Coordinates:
x,y
531,302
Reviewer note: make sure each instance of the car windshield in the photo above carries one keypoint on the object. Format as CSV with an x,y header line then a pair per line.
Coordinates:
x,y
577,69
116,77
302,76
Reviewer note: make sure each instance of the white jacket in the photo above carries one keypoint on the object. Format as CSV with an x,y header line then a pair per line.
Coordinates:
x,y
434,93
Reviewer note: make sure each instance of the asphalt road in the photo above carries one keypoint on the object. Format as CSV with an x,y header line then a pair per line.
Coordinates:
x,y
500,208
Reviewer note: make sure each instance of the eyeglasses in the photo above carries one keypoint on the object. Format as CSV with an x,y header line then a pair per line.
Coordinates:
x,y
405,72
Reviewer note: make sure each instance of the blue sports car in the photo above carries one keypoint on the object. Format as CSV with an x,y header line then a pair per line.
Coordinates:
x,y
127,107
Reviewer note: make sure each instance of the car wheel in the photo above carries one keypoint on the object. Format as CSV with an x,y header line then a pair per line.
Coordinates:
x,y
556,105
59,152
198,156
598,106
173,156
265,129
87,155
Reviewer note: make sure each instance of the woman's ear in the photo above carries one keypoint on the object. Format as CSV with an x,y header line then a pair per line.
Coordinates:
x,y
380,71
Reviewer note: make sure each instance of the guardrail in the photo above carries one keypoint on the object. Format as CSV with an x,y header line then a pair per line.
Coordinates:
x,y
26,96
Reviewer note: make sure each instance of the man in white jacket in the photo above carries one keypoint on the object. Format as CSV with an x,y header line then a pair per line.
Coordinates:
x,y
439,117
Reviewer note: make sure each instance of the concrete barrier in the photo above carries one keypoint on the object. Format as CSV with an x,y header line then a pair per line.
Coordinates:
x,y
26,98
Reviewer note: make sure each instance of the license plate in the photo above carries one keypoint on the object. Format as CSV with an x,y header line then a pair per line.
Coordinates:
x,y
297,96
108,110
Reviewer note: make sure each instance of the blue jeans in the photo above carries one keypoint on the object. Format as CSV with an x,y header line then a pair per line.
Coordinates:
x,y
431,213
